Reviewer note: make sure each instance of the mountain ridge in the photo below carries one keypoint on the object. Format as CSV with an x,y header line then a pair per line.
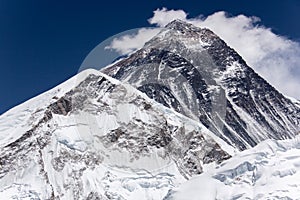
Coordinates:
x,y
92,128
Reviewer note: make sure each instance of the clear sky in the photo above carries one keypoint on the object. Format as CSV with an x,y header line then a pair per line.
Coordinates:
x,y
43,43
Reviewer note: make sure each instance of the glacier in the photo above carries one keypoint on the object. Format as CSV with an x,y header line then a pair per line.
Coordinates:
x,y
271,170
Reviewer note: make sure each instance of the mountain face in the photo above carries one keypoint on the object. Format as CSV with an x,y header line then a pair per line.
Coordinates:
x,y
194,105
95,138
192,71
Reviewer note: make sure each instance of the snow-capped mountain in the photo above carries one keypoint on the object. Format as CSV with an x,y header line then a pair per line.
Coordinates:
x,y
194,72
93,137
184,106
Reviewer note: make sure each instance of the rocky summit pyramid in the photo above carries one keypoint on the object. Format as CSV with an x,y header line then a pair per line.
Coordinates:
x,y
194,72
183,104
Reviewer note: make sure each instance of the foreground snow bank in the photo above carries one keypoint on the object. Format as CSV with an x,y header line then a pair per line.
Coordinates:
x,y
271,170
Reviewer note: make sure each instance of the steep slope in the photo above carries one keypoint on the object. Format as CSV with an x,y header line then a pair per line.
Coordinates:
x,y
271,170
194,72
95,138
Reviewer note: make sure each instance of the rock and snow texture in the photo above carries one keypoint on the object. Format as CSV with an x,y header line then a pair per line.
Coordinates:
x,y
271,170
95,138
194,72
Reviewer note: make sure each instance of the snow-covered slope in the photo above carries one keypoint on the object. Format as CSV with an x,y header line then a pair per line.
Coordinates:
x,y
194,72
93,137
271,170
19,119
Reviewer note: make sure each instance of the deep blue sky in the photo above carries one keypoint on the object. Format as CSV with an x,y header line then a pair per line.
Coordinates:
x,y
42,43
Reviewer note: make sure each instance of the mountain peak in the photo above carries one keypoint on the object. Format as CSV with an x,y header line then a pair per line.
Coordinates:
x,y
196,58
178,22
189,30
181,25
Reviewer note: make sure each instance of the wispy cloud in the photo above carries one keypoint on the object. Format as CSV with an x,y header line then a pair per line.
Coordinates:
x,y
274,57
129,43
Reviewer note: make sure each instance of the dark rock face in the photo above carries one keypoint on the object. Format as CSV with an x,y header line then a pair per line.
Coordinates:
x,y
161,139
62,106
161,94
115,135
194,72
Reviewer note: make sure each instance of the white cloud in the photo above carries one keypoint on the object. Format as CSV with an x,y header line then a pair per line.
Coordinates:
x,y
129,43
163,16
274,57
